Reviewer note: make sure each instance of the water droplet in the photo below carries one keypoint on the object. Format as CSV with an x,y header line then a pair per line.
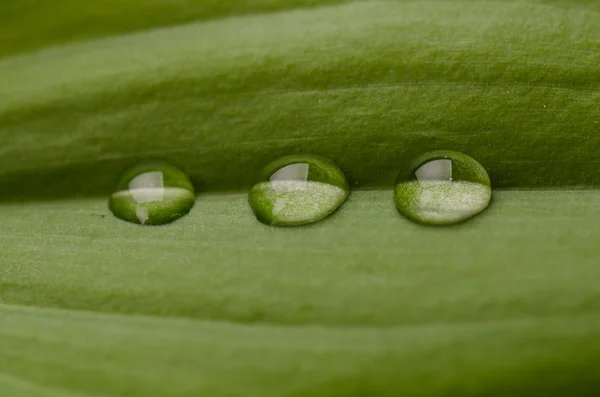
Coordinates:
x,y
444,188
152,193
298,190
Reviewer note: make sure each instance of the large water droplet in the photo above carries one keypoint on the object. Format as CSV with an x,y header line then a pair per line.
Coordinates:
x,y
444,188
152,193
297,190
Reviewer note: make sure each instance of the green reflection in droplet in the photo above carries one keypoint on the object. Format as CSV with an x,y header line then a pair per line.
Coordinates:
x,y
298,190
152,193
445,187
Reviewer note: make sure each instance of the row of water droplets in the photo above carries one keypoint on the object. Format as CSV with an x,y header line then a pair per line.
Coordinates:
x,y
443,188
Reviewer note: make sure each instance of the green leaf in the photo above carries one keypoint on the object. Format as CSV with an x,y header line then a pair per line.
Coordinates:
x,y
394,79
25,25
365,303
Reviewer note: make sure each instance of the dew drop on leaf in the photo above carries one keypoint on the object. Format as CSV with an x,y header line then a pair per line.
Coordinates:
x,y
443,188
152,193
298,190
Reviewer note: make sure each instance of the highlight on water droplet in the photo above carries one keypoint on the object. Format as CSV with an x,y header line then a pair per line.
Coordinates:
x,y
298,190
152,193
444,187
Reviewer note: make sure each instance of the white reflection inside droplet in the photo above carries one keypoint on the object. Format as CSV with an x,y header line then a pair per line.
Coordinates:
x,y
287,179
436,170
292,172
148,187
142,214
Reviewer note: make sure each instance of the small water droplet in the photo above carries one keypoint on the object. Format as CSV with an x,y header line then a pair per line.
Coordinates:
x,y
152,193
298,190
444,188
